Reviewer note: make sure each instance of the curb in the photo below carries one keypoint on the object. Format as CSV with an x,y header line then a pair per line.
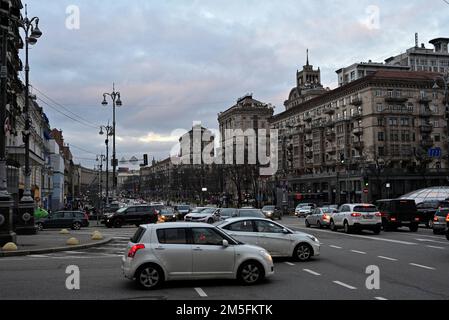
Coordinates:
x,y
55,249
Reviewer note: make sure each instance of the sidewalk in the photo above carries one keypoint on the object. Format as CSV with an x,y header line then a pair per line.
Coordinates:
x,y
49,241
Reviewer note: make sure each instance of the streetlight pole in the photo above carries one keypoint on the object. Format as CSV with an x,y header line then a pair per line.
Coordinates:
x,y
100,159
26,205
115,96
108,129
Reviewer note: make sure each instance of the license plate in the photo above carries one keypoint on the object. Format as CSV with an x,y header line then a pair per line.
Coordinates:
x,y
368,216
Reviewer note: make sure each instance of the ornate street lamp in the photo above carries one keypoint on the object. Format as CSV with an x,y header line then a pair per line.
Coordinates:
x,y
116,101
108,130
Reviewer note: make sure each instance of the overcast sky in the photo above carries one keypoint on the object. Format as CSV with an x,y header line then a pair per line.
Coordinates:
x,y
176,62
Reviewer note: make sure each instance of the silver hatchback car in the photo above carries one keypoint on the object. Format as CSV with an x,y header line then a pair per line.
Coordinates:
x,y
182,251
440,221
320,217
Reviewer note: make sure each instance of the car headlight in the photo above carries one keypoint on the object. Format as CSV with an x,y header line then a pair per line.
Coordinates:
x,y
266,255
313,239
269,213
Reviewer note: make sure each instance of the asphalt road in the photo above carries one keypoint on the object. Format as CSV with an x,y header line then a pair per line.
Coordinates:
x,y
412,266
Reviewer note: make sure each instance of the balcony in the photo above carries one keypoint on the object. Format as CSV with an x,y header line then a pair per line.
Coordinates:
x,y
357,131
358,145
329,123
427,143
308,142
426,113
426,128
329,110
396,99
357,114
424,100
309,154
331,150
356,102
342,119
317,125
308,118
331,162
308,130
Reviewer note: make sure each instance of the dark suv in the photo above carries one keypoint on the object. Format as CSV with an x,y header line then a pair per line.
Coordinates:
x,y
137,215
64,219
427,210
397,213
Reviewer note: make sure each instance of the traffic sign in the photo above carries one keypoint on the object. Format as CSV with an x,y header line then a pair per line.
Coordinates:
x,y
434,152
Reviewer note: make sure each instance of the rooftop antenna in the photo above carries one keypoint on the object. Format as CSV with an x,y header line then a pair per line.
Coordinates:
x,y
416,40
307,57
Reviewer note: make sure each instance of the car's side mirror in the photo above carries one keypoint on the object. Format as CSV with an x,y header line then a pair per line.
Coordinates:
x,y
225,243
285,231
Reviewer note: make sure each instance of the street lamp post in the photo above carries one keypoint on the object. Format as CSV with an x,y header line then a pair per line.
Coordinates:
x,y
108,129
26,205
115,96
100,159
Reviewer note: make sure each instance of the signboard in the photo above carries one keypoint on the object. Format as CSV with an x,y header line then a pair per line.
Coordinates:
x,y
365,191
434,152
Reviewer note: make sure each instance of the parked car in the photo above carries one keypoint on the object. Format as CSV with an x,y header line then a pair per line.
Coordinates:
x,y
182,210
253,213
303,211
136,215
359,216
397,213
320,217
226,213
272,212
447,229
208,215
64,219
177,251
277,239
427,210
167,214
440,221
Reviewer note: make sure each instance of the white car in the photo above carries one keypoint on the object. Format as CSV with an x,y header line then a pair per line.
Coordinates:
x,y
303,211
208,215
357,217
277,239
179,250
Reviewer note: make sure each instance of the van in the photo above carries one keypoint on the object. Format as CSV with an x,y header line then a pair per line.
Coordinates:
x,y
398,213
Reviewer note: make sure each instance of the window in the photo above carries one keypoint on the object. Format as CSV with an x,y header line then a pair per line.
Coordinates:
x,y
68,215
436,124
268,227
380,136
242,226
393,121
437,138
206,236
380,122
172,236
381,151
380,107
378,93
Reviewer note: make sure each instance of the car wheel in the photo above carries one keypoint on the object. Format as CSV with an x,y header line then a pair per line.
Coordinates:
x,y
40,226
250,272
332,226
149,277
307,224
76,226
108,226
210,221
377,230
303,252
346,227
117,223
430,224
320,226
413,227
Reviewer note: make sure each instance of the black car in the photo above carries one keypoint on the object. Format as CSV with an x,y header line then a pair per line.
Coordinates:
x,y
64,219
272,212
397,213
136,215
447,231
182,210
427,210
168,214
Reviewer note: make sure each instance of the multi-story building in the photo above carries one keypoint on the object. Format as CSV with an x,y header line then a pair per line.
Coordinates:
x,y
242,182
420,58
365,140
57,168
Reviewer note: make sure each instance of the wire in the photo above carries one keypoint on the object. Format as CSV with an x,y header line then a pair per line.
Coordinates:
x,y
79,148
65,108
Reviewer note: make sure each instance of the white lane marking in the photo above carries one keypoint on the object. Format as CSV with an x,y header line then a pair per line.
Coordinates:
x,y
200,292
429,240
312,272
380,298
362,237
387,258
436,247
335,247
421,266
290,264
39,256
360,252
344,285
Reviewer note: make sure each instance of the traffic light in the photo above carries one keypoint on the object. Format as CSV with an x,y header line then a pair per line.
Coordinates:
x,y
342,157
365,182
145,160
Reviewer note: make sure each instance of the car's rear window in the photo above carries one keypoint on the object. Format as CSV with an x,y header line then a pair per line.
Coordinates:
x,y
365,209
183,208
138,235
251,213
442,213
172,236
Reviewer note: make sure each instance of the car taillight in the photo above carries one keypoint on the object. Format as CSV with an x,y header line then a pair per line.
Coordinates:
x,y
417,219
378,214
435,218
134,249
447,218
393,219
356,214
326,217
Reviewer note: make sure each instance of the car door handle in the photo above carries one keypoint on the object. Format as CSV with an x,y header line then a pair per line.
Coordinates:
x,y
197,249
160,248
